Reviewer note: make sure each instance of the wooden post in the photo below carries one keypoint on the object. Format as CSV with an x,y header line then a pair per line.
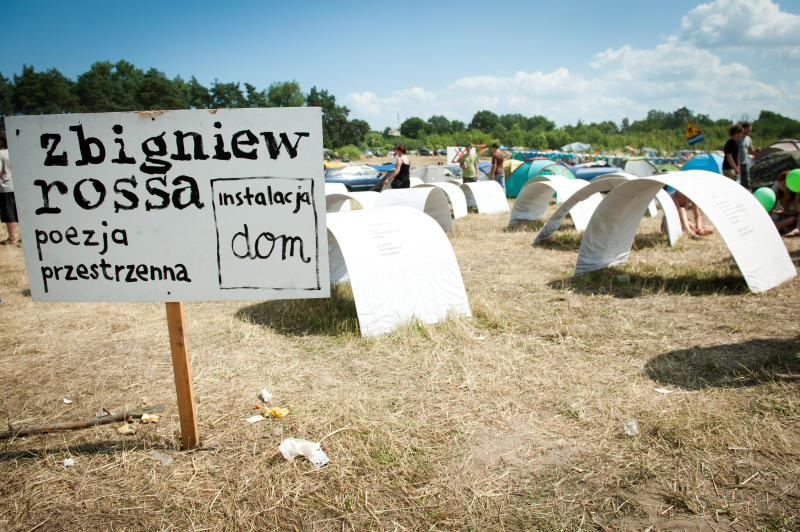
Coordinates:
x,y
183,375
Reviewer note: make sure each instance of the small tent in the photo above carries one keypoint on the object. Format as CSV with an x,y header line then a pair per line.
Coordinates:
x,y
790,145
640,167
530,169
710,162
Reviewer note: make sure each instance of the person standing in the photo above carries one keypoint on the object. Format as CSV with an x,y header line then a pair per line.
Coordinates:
x,y
469,164
498,173
745,150
8,206
730,164
401,178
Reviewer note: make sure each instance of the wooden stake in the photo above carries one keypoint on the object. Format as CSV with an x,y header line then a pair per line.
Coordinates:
x,y
183,375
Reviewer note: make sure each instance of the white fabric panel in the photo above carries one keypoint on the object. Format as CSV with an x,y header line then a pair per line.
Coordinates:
x,y
454,195
487,196
341,201
430,200
742,222
400,265
581,204
547,177
535,196
673,219
335,188
652,210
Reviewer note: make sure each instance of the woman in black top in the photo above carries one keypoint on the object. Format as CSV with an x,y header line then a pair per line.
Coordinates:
x,y
401,177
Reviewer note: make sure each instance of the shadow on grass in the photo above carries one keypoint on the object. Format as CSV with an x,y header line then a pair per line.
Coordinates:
x,y
623,283
571,241
795,255
749,363
525,226
331,316
94,448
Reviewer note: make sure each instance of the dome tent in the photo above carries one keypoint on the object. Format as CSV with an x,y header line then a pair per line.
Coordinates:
x,y
710,162
530,169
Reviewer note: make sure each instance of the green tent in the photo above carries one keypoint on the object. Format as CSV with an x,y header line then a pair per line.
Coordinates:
x,y
530,169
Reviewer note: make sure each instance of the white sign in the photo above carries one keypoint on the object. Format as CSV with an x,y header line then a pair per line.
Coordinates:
x,y
194,205
455,153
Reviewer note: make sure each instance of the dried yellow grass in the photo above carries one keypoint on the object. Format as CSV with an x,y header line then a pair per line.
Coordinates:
x,y
511,419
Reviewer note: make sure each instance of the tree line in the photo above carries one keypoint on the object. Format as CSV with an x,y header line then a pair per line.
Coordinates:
x,y
121,86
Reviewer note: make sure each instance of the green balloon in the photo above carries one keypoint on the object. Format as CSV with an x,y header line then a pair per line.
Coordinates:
x,y
793,180
766,196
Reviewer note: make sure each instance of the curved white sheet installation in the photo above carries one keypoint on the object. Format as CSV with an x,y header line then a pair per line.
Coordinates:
x,y
400,266
741,220
430,200
455,196
487,196
535,196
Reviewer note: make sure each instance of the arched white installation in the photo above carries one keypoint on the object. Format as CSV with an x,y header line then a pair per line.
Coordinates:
x,y
454,195
740,219
539,178
671,216
487,196
341,202
335,188
432,173
581,204
400,267
415,181
533,199
430,200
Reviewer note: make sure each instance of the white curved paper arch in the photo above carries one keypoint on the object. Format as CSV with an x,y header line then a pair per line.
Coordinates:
x,y
341,201
487,196
414,181
741,220
430,200
535,196
454,195
335,188
399,265
581,204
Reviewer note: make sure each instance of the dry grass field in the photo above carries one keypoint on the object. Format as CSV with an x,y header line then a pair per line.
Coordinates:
x,y
510,420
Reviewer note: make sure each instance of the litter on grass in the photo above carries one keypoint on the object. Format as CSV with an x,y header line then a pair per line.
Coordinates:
x,y
292,447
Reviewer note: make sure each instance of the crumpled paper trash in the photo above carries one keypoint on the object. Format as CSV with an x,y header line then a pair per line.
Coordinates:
x,y
292,447
68,462
265,395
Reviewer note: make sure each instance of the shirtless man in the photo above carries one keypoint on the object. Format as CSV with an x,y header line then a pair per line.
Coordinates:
x,y
498,174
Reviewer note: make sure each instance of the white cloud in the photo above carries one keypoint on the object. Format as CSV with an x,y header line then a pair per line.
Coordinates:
x,y
689,68
741,23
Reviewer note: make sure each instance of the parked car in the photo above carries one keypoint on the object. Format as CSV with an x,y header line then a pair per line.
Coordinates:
x,y
356,178
425,151
443,151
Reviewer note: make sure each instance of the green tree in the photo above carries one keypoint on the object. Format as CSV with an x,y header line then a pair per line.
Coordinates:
x,y
457,126
254,97
227,95
438,125
484,121
334,117
285,94
6,92
198,96
540,123
413,128
42,93
159,92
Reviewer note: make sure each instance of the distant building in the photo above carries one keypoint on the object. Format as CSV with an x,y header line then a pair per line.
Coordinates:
x,y
394,132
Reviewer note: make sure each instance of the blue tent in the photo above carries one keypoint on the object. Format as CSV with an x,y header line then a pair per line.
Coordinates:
x,y
704,161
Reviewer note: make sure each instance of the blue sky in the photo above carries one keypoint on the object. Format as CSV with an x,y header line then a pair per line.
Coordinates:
x,y
569,60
